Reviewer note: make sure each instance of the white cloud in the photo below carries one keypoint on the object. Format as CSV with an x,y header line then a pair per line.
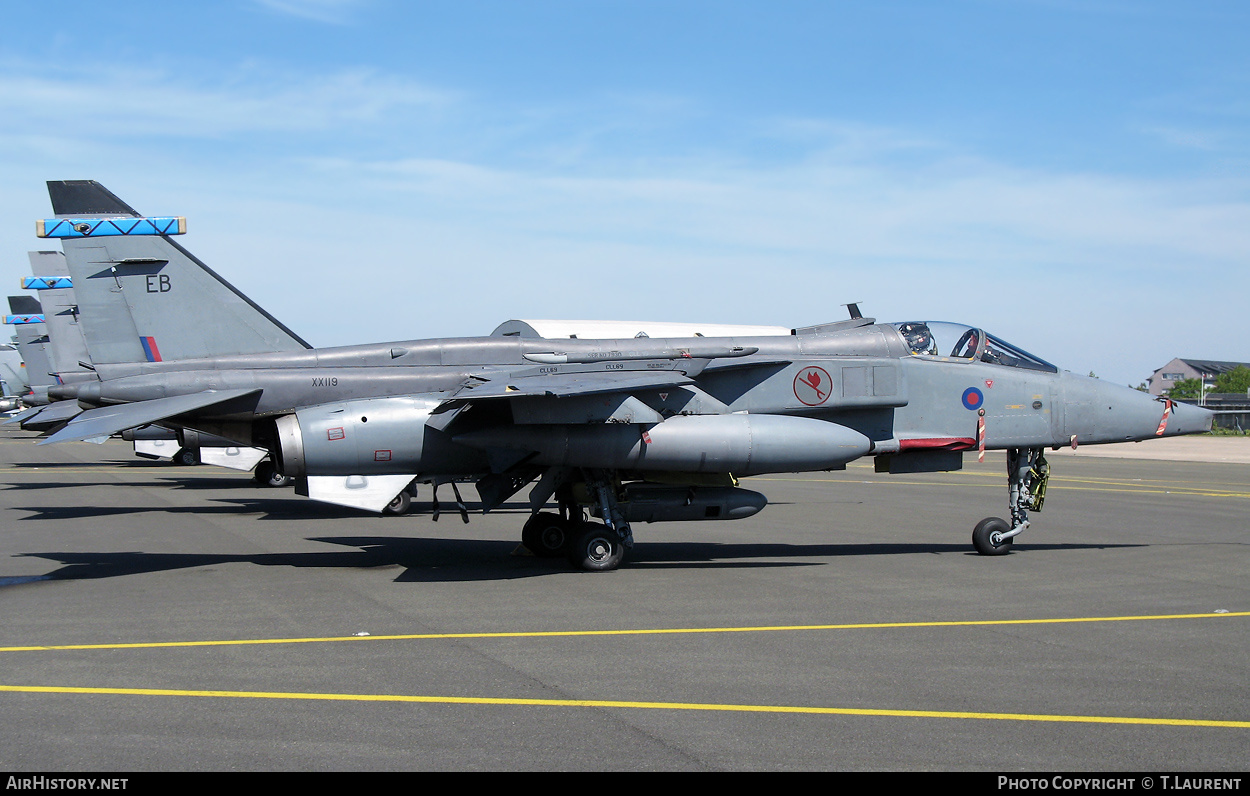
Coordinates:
x,y
144,103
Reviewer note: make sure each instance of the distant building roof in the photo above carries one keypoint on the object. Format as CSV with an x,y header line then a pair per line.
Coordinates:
x,y
1183,368
1213,365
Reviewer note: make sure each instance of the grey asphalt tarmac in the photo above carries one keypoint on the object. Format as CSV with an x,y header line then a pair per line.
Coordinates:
x,y
164,618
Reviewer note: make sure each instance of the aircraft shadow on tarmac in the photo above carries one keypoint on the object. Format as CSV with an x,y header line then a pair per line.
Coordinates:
x,y
271,505
181,483
111,464
428,560
85,512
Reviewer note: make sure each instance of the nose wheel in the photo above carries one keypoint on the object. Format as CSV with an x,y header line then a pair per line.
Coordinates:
x,y
988,539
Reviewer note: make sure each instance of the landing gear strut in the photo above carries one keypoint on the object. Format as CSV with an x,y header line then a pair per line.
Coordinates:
x,y
601,548
592,546
1027,474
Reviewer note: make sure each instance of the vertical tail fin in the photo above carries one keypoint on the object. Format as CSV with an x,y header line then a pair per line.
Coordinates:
x,y
31,337
142,296
68,349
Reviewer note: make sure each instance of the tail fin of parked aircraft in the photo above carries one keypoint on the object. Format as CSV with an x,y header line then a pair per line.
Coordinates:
x,y
142,296
31,337
68,348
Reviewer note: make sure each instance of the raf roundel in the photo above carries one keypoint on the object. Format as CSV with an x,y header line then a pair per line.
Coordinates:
x,y
973,399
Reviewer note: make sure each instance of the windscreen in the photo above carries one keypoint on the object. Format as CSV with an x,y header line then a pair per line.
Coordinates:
x,y
957,342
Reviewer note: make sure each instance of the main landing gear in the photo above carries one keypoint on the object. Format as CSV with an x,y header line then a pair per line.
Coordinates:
x,y
588,545
267,474
1027,474
549,535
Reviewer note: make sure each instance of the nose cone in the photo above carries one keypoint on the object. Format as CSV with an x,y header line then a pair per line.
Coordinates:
x,y
1187,419
1098,411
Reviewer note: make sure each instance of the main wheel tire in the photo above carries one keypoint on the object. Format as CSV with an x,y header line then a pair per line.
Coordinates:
x,y
983,537
547,535
263,472
596,549
187,457
267,474
400,504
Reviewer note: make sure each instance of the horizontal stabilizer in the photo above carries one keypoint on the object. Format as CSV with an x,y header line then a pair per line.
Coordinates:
x,y
20,416
45,417
109,420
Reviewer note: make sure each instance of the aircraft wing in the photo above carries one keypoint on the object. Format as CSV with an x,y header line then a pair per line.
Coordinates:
x,y
566,385
99,424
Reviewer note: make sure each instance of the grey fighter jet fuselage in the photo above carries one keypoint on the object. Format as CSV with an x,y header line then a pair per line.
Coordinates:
x,y
638,429
865,378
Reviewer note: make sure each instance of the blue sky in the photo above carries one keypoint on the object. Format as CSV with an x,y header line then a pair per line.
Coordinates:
x,y
1072,176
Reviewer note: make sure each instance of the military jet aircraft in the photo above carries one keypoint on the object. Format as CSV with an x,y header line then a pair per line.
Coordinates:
x,y
13,382
70,362
31,341
51,344
631,430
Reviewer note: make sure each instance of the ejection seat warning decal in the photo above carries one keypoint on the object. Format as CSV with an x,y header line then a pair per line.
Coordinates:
x,y
334,433
812,386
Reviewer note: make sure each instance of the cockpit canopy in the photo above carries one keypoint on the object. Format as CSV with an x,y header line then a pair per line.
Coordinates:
x,y
955,342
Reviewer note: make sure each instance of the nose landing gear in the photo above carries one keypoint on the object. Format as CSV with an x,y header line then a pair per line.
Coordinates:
x,y
1027,475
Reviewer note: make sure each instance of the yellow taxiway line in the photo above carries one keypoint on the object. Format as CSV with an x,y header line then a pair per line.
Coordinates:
x,y
625,704
621,632
607,703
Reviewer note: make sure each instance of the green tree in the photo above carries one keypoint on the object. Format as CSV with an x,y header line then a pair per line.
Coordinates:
x,y
1186,390
1235,380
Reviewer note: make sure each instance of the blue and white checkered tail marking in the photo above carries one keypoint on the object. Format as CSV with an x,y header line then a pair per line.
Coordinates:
x,y
103,227
46,282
